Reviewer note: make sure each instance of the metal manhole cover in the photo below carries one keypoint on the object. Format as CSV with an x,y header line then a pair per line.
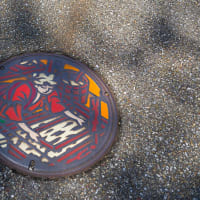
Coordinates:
x,y
57,117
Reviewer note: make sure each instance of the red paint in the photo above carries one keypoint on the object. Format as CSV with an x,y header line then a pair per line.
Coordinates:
x,y
14,127
69,86
2,110
14,69
51,164
84,86
76,98
15,114
105,121
76,92
13,154
71,160
101,134
46,107
2,92
36,70
10,124
93,147
71,140
19,110
34,116
9,76
85,79
95,122
50,66
38,119
68,97
18,151
84,91
4,86
46,144
85,154
56,106
50,124
67,91
78,77
10,91
24,67
39,104
72,152
102,126
84,114
22,92
83,107
96,138
83,99
79,156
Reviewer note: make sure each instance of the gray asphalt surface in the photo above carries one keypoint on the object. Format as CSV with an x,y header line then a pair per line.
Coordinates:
x,y
148,53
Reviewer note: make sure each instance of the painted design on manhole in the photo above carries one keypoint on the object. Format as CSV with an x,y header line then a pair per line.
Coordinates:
x,y
54,116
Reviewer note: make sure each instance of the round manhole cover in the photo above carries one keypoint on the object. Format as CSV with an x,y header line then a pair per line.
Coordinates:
x,y
57,117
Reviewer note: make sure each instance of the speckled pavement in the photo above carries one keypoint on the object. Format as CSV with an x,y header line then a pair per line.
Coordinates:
x,y
148,54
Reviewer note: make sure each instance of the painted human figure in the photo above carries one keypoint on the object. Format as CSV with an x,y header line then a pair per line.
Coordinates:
x,y
33,96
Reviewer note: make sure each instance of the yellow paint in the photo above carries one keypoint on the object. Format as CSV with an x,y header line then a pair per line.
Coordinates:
x,y
66,128
28,150
44,61
15,140
43,122
53,154
38,146
74,83
71,68
104,110
3,141
21,134
88,101
24,62
39,110
45,160
93,87
14,79
2,136
35,61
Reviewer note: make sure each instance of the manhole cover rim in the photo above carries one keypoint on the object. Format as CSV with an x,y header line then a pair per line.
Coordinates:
x,y
106,147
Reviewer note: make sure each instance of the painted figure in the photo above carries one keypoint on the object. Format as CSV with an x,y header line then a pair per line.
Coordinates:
x,y
32,96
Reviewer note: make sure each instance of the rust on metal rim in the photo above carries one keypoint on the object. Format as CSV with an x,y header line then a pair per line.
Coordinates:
x,y
57,117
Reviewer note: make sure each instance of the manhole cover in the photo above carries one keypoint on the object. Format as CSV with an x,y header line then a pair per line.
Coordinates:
x,y
57,117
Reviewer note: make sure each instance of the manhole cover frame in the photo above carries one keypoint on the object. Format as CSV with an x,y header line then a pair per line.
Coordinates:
x,y
98,156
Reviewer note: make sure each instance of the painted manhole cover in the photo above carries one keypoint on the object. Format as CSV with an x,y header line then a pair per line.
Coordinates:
x,y
57,117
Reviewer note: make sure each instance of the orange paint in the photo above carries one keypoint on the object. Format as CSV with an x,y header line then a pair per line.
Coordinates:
x,y
15,79
88,101
44,61
39,110
93,87
104,110
71,68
